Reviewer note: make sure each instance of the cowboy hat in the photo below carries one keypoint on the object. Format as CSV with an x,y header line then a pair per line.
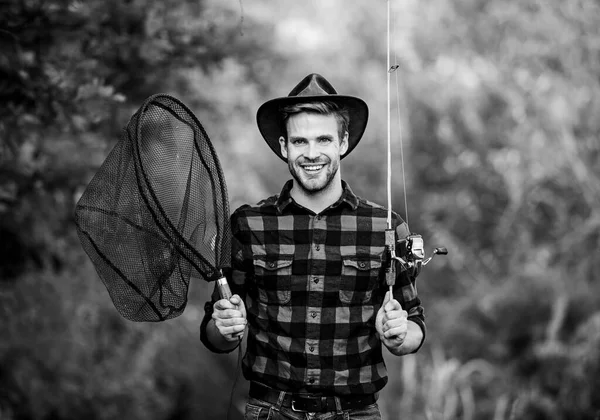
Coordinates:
x,y
312,88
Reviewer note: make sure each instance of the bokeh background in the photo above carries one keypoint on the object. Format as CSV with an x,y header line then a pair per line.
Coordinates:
x,y
495,109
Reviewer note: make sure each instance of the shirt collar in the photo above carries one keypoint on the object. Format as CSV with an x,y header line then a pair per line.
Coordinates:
x,y
285,198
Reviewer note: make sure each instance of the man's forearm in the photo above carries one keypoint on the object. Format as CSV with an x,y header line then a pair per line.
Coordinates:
x,y
217,340
412,341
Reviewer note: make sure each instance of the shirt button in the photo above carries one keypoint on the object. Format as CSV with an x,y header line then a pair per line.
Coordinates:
x,y
311,348
315,279
311,380
271,264
313,314
318,247
318,217
362,264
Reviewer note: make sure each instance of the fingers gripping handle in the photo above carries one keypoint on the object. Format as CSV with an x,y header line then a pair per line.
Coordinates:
x,y
225,293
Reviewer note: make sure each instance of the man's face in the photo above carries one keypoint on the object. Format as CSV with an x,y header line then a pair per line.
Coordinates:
x,y
313,150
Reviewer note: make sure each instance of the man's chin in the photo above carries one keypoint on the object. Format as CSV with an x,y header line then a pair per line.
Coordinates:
x,y
314,191
312,186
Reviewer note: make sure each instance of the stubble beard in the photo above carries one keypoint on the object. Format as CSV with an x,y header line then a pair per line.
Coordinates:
x,y
310,185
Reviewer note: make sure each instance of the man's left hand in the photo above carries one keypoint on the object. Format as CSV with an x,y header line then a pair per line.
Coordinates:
x,y
391,323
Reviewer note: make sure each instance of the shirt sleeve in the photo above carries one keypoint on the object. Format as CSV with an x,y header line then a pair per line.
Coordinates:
x,y
405,289
236,277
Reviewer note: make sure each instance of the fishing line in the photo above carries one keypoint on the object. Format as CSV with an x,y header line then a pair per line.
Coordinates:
x,y
393,68
412,246
389,129
400,125
390,234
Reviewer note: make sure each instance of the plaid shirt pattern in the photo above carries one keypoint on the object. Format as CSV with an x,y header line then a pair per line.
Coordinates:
x,y
313,285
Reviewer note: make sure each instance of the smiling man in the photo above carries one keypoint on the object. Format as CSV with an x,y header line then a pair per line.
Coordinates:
x,y
308,276
313,147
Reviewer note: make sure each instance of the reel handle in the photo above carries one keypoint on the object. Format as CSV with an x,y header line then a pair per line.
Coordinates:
x,y
436,251
224,290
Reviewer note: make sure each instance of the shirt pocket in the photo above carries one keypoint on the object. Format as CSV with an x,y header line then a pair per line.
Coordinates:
x,y
360,275
273,276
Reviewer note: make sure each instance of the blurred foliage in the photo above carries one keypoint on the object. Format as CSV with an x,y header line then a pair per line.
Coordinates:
x,y
495,103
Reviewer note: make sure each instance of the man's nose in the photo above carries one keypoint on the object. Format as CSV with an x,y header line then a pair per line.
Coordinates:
x,y
311,151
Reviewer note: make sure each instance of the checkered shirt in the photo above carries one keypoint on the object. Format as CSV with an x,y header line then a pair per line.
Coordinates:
x,y
313,284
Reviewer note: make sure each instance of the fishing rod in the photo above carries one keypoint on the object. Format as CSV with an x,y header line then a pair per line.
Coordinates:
x,y
411,247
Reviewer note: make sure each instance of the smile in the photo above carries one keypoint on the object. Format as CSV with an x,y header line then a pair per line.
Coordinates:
x,y
312,168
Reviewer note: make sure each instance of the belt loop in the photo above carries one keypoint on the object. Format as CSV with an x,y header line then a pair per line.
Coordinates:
x,y
338,405
280,400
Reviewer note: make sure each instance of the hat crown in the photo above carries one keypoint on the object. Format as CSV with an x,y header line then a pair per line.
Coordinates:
x,y
313,85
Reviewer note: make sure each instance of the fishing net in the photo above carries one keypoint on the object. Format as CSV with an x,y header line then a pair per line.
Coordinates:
x,y
156,213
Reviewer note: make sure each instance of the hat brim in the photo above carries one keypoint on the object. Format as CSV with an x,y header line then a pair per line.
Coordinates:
x,y
270,125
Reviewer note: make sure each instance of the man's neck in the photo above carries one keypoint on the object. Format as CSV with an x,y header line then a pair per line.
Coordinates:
x,y
319,201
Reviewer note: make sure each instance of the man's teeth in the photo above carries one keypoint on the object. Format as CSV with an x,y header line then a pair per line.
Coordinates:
x,y
313,168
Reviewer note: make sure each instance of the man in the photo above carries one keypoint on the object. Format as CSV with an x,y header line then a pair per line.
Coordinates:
x,y
307,273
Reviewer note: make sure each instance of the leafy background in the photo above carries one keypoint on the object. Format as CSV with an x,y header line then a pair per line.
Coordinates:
x,y
496,103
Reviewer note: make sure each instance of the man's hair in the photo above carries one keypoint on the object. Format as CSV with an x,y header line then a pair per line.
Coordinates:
x,y
341,114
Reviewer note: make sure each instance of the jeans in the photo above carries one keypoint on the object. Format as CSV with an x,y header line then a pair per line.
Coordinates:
x,y
261,410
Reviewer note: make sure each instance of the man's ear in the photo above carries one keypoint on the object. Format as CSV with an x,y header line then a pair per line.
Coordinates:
x,y
283,145
344,144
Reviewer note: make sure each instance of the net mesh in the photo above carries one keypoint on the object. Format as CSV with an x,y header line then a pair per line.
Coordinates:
x,y
156,213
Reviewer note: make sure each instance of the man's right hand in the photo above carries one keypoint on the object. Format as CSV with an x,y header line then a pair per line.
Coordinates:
x,y
230,318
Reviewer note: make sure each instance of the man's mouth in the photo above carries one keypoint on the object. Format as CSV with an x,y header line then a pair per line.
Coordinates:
x,y
312,168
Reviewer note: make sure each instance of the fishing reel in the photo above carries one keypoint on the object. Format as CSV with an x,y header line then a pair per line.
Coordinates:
x,y
410,255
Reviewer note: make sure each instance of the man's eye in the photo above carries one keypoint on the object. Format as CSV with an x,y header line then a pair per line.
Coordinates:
x,y
297,142
325,140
